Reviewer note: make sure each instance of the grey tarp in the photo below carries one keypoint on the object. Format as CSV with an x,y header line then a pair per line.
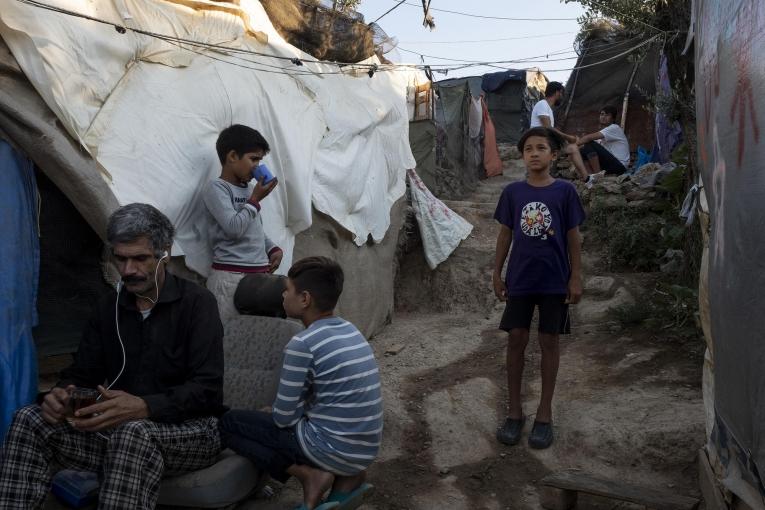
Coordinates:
x,y
422,139
458,158
730,59
510,97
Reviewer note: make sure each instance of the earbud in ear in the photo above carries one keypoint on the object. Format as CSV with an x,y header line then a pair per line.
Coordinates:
x,y
165,254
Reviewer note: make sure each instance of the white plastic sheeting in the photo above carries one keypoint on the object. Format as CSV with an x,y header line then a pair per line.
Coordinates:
x,y
149,112
441,229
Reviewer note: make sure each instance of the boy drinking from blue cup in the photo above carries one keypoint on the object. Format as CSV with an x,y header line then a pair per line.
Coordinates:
x,y
239,243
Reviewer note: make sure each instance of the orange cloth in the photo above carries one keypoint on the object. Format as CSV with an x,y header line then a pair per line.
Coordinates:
x,y
491,161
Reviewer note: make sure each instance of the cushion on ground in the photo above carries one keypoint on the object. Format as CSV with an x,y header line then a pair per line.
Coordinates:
x,y
224,483
252,348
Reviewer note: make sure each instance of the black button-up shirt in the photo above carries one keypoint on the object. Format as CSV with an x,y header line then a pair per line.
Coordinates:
x,y
173,358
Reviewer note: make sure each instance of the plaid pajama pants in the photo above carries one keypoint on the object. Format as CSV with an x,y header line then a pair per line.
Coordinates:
x,y
131,459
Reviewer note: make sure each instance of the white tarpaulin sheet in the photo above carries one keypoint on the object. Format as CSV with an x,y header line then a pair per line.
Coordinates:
x,y
149,111
441,229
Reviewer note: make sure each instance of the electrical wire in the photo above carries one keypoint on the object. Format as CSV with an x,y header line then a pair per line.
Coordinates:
x,y
609,49
538,36
169,38
503,18
593,64
189,45
389,11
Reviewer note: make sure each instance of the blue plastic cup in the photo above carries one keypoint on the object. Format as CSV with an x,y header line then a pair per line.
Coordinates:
x,y
262,171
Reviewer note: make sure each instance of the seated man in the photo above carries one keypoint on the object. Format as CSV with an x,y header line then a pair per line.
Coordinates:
x,y
607,149
237,237
327,418
542,115
158,342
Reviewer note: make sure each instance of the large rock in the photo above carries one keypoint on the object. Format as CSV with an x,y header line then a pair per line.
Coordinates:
x,y
599,285
590,311
370,270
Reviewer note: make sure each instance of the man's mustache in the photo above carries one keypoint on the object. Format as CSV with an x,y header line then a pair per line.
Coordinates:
x,y
133,279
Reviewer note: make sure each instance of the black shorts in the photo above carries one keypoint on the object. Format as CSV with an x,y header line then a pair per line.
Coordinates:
x,y
553,313
608,161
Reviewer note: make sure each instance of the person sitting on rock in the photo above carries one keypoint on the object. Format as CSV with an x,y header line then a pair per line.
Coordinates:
x,y
540,218
326,423
159,341
240,245
608,149
542,116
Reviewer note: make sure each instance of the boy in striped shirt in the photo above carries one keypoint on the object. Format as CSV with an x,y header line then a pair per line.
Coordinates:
x,y
326,423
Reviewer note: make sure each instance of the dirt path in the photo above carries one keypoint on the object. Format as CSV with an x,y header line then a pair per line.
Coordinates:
x,y
628,403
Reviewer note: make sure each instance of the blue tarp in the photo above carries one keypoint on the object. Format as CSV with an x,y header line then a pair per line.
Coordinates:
x,y
494,81
19,274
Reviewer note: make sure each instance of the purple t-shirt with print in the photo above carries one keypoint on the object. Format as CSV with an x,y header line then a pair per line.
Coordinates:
x,y
539,217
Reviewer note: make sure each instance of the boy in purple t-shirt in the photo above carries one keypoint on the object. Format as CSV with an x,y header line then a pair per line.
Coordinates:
x,y
540,217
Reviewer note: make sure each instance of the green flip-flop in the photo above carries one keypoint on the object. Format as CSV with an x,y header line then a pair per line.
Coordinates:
x,y
324,505
353,499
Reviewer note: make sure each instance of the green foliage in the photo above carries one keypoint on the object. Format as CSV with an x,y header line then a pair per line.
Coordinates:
x,y
674,183
667,307
634,239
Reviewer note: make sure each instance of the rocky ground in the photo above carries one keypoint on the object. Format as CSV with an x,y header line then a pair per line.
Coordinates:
x,y
628,403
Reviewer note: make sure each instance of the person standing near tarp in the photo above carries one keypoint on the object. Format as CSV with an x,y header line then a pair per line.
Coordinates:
x,y
542,115
239,243
20,256
607,149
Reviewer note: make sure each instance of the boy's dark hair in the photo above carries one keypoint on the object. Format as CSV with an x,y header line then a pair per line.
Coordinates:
x,y
321,277
240,139
542,131
553,87
610,110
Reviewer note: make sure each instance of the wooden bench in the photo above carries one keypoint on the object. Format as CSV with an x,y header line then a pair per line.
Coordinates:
x,y
559,491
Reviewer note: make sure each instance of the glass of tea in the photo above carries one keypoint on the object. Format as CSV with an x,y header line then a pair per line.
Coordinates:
x,y
80,398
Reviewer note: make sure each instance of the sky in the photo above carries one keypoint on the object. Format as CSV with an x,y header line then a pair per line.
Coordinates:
x,y
453,31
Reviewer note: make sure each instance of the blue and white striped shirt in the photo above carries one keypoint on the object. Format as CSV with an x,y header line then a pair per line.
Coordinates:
x,y
329,391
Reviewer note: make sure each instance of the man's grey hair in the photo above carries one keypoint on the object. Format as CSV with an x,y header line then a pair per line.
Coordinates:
x,y
133,221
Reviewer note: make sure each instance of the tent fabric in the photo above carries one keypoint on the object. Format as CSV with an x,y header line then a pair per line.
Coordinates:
x,y
19,272
441,229
591,88
491,82
458,156
669,134
730,57
510,96
148,112
491,160
31,125
422,140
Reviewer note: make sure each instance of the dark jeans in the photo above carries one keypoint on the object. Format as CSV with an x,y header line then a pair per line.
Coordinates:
x,y
254,435
608,161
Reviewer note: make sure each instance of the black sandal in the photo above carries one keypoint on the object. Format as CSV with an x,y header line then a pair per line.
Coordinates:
x,y
510,432
541,436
